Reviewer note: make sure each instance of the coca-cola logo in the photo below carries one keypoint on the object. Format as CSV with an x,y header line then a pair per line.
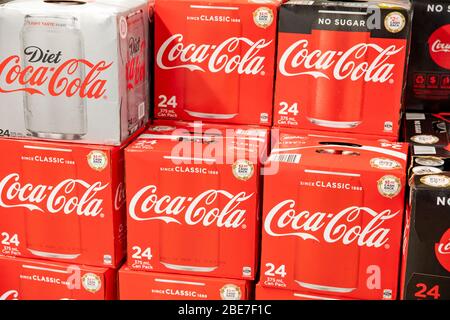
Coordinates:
x,y
236,54
52,75
299,59
343,226
442,250
68,196
135,68
204,209
10,295
439,46
119,199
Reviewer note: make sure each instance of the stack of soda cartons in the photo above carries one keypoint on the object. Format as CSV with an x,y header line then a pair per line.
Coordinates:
x,y
426,247
73,90
193,179
338,102
215,200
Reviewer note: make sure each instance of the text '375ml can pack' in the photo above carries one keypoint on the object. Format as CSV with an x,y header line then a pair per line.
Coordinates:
x,y
215,60
193,199
341,65
335,227
62,202
73,70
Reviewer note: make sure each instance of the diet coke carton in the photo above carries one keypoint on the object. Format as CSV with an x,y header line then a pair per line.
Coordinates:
x,y
341,65
62,202
338,217
30,279
426,246
263,293
193,199
215,60
428,86
140,285
74,70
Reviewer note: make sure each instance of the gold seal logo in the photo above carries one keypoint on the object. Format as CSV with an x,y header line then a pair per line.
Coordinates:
x,y
97,160
394,22
230,292
425,139
385,164
263,17
91,282
389,186
243,169
422,170
436,180
430,161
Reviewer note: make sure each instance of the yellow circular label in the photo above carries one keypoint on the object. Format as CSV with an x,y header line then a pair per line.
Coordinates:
x,y
394,22
263,17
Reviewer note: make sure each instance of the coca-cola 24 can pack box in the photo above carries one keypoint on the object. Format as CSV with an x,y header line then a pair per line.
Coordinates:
x,y
426,247
62,201
30,279
334,229
74,70
141,285
341,65
193,199
428,86
215,60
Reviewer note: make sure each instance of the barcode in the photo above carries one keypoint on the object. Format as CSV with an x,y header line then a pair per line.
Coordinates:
x,y
424,150
414,116
141,110
286,157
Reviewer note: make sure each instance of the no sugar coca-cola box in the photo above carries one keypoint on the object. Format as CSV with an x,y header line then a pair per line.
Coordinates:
x,y
214,60
338,217
426,247
193,199
263,293
74,70
30,279
341,65
428,86
62,202
141,285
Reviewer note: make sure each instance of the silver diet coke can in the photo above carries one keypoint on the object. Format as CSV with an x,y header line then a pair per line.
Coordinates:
x,y
53,45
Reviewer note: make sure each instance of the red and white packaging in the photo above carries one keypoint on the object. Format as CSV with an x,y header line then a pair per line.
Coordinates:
x,y
215,60
337,71
335,226
74,71
262,293
62,202
193,199
141,285
30,279
329,135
